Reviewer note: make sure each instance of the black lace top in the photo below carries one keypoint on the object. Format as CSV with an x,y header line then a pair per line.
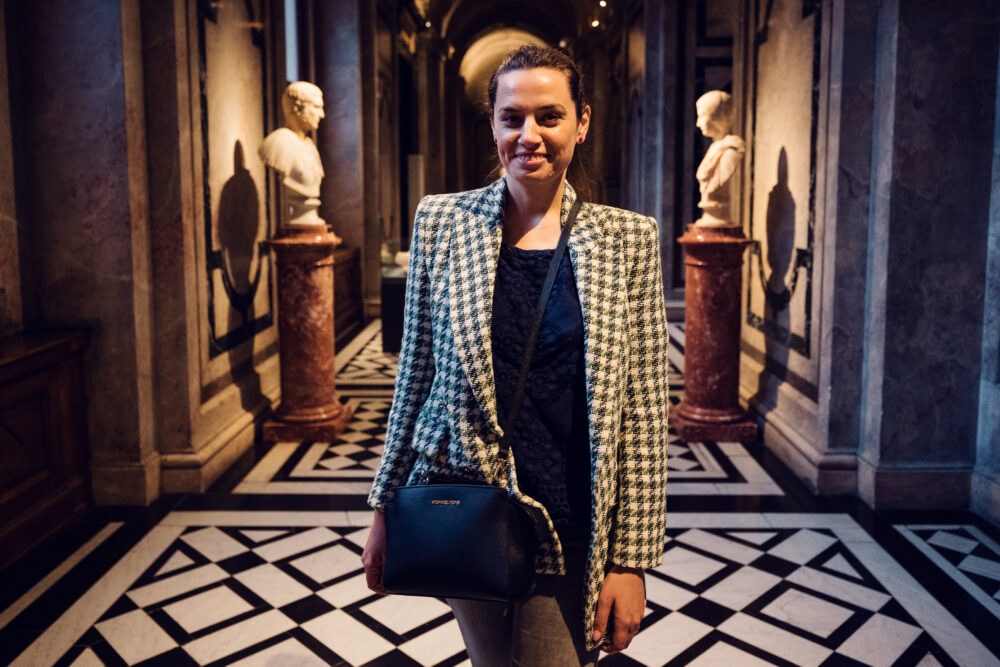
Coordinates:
x,y
550,440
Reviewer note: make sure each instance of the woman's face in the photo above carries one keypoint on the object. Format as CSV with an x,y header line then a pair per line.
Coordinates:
x,y
535,124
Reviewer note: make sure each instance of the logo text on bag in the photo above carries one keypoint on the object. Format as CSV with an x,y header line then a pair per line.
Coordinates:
x,y
446,502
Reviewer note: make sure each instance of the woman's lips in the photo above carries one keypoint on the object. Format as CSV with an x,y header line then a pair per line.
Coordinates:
x,y
532,158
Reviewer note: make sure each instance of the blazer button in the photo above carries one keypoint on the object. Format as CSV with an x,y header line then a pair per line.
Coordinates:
x,y
443,406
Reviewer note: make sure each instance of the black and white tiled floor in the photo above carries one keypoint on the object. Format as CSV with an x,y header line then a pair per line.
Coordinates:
x,y
756,571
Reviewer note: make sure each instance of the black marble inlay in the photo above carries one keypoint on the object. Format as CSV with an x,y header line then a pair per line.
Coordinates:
x,y
307,609
316,646
394,658
714,637
177,657
706,611
776,566
241,562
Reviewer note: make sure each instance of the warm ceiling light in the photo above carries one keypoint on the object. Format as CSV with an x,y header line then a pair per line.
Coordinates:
x,y
563,43
595,23
603,3
427,24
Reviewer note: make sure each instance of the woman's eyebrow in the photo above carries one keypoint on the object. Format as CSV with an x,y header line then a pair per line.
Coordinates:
x,y
544,107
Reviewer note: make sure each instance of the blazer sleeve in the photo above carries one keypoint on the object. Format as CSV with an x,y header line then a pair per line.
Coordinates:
x,y
637,540
415,374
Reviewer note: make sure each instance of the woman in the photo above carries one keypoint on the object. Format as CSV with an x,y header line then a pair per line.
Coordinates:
x,y
590,444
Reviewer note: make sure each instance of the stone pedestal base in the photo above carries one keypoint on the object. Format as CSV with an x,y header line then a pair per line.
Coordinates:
x,y
309,408
318,431
744,430
710,409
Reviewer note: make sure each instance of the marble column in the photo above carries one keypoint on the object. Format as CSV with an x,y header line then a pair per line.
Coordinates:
x,y
986,476
10,271
345,72
936,86
309,409
710,409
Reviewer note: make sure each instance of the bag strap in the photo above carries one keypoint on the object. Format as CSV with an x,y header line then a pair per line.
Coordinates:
x,y
503,457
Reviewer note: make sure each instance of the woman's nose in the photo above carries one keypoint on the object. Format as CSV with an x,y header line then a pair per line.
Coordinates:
x,y
529,133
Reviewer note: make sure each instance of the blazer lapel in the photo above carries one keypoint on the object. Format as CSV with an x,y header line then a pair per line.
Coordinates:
x,y
598,265
474,250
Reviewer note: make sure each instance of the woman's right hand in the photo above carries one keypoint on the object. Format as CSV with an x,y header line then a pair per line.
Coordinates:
x,y
373,557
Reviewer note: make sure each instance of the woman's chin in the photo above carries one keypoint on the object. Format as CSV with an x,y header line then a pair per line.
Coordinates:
x,y
527,175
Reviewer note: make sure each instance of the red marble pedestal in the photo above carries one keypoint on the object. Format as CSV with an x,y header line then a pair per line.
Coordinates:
x,y
710,409
309,409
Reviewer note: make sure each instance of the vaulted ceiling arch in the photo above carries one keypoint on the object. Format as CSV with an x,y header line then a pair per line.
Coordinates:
x,y
462,22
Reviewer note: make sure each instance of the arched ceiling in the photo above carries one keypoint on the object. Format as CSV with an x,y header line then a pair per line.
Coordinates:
x,y
462,22
484,55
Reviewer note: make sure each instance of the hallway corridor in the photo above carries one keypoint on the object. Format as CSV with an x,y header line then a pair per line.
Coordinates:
x,y
265,569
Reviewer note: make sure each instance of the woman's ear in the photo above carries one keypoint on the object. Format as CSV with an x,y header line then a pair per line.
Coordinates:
x,y
583,125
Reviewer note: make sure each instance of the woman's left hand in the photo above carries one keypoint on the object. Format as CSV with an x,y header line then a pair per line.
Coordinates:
x,y
620,605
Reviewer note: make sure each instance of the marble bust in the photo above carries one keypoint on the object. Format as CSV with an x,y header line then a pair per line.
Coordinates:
x,y
722,160
291,152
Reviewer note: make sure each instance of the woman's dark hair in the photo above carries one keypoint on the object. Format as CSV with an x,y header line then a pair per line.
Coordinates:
x,y
530,56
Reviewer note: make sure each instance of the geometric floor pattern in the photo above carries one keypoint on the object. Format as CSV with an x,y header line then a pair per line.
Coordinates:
x,y
346,465
370,366
745,589
966,554
756,571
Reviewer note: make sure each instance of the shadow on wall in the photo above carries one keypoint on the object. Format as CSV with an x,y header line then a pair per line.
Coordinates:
x,y
780,234
237,226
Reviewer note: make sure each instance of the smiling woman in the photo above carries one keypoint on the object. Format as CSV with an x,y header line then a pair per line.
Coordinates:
x,y
588,446
537,125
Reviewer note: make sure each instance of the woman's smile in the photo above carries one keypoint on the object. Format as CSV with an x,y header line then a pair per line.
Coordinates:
x,y
531,159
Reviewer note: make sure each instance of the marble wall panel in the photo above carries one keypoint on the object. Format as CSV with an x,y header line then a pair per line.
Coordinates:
x,y
173,228
779,301
237,283
10,269
928,240
74,188
80,174
846,212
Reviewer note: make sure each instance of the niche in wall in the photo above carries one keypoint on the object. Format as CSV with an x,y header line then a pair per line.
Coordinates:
x,y
236,191
782,160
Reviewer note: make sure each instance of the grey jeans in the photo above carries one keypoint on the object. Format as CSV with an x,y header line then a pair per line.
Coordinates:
x,y
545,630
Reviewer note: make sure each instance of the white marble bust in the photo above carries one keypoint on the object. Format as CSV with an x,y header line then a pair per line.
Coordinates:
x,y
291,152
722,160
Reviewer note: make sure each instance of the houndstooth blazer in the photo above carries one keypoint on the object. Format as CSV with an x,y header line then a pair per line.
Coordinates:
x,y
444,414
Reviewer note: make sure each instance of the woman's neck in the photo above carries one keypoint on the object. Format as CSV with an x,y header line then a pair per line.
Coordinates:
x,y
531,205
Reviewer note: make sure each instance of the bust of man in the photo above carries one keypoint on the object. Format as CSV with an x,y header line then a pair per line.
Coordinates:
x,y
722,160
291,152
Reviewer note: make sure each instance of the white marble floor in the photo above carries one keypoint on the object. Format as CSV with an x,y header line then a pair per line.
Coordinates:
x,y
251,587
755,571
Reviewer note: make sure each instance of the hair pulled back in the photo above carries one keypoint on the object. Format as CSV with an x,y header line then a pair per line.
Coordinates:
x,y
531,56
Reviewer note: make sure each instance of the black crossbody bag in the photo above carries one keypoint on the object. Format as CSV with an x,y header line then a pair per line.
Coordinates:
x,y
471,541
